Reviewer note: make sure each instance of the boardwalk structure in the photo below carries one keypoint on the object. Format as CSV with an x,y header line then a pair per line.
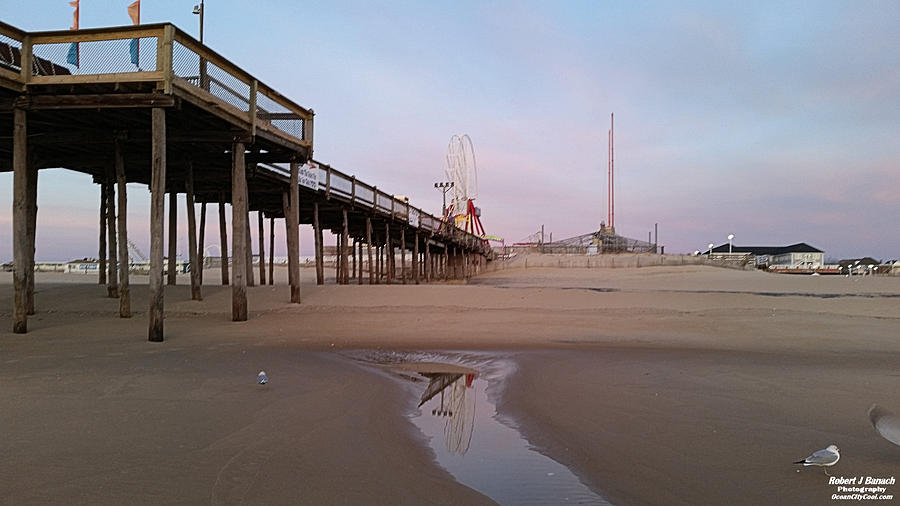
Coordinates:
x,y
152,105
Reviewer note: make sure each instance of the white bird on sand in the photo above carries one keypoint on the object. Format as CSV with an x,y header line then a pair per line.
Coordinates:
x,y
261,378
886,423
823,458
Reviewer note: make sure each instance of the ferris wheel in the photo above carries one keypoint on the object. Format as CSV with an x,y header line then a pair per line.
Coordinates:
x,y
462,171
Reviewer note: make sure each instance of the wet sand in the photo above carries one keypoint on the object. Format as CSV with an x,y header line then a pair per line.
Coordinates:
x,y
659,385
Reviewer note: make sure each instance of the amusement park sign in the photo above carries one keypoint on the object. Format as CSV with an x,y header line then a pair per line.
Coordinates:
x,y
309,175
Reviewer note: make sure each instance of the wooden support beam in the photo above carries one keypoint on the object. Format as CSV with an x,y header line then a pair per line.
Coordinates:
x,y
112,276
392,255
173,236
21,207
286,211
124,263
294,232
223,238
428,265
345,245
358,253
446,266
388,263
238,234
416,260
271,250
32,229
101,255
262,248
353,258
378,264
385,263
157,214
403,255
317,237
94,101
360,265
201,241
369,248
248,257
453,264
193,254
337,259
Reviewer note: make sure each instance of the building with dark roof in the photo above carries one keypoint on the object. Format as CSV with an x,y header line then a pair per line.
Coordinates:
x,y
794,255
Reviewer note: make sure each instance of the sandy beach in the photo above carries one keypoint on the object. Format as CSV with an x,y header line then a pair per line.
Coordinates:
x,y
658,385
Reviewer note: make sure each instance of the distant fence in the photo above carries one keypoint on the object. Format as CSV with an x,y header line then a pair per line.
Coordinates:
x,y
616,261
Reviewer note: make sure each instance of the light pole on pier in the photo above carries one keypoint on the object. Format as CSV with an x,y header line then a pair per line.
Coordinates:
x,y
444,186
198,9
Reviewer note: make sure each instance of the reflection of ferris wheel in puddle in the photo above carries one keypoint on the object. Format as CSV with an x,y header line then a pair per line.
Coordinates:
x,y
459,408
458,429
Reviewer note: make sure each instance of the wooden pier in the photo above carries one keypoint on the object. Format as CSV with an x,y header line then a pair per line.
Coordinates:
x,y
151,105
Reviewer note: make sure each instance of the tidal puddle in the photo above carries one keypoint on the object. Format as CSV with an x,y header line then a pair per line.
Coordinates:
x,y
457,414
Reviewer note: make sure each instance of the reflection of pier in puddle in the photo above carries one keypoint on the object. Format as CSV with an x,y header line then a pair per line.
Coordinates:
x,y
458,416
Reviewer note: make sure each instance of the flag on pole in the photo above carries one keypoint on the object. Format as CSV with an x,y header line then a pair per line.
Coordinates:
x,y
74,56
134,11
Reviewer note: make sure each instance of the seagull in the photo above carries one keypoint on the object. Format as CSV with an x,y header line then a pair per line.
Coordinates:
x,y
886,423
261,378
824,458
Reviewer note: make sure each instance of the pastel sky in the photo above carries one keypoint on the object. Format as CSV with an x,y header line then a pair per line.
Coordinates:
x,y
778,122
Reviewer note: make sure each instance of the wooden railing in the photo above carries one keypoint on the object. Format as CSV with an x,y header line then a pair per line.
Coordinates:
x,y
157,53
333,183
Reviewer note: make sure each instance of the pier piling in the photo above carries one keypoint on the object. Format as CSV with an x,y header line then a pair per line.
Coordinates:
x,y
238,234
124,262
157,213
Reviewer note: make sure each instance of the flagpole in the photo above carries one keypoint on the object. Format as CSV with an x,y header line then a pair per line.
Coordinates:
x,y
77,25
134,12
75,45
139,40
